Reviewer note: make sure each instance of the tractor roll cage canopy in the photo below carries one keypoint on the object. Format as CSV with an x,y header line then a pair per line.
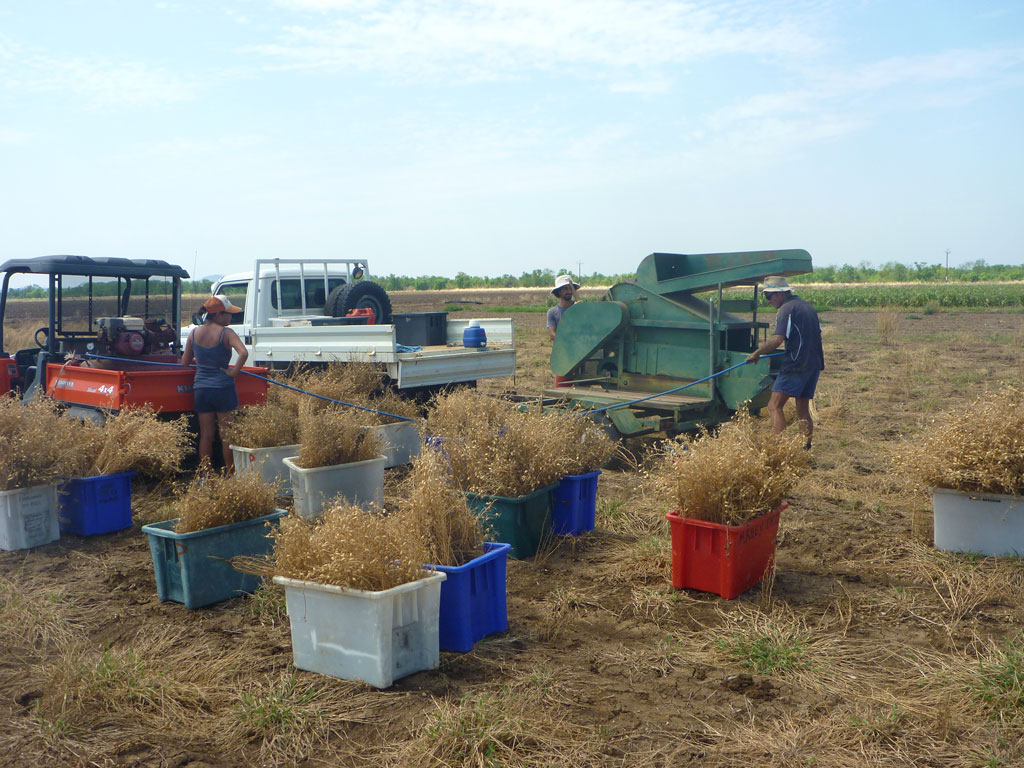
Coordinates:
x,y
84,266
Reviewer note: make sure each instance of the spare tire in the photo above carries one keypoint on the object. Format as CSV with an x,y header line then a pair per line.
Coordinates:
x,y
345,298
332,298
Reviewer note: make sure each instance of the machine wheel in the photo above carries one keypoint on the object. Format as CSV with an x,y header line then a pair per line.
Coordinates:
x,y
345,298
45,330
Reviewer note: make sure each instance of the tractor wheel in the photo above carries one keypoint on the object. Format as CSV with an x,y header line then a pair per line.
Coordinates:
x,y
345,298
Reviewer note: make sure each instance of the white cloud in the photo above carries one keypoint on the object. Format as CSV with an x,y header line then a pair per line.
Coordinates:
x,y
98,81
480,40
14,136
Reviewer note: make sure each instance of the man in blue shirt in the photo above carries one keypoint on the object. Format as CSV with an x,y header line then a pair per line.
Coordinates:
x,y
797,325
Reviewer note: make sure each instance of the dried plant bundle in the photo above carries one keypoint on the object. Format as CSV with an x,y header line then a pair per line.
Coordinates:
x,y
212,500
139,440
39,445
978,448
349,548
735,475
494,448
264,426
360,384
334,435
277,422
452,534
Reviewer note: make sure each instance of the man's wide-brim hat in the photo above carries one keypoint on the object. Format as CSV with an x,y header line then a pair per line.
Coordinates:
x,y
775,284
563,280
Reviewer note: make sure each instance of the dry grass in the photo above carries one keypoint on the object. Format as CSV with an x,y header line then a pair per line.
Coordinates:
x,y
452,533
334,435
138,440
733,476
213,500
350,548
278,422
39,446
978,447
493,448
876,651
888,323
360,384
42,446
263,426
517,729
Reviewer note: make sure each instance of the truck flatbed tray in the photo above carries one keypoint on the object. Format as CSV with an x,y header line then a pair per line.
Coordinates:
x,y
433,348
611,396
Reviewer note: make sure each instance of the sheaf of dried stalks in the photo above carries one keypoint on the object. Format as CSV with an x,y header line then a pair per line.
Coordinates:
x,y
263,426
335,435
212,500
277,422
978,447
494,448
42,446
138,440
350,548
451,532
739,473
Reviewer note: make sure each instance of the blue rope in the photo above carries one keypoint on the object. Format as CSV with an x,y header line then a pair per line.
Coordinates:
x,y
677,389
261,378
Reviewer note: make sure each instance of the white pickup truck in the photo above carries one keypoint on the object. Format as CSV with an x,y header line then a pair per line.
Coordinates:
x,y
295,312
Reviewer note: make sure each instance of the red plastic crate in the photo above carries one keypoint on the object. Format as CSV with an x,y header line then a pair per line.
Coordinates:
x,y
725,560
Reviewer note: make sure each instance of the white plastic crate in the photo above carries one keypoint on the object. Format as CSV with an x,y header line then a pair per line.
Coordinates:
x,y
360,482
28,517
269,462
376,637
400,442
987,523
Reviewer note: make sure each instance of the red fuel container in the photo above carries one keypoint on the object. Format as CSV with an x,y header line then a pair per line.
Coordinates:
x,y
725,560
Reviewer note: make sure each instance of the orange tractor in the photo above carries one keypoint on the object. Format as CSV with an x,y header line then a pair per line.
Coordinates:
x,y
112,339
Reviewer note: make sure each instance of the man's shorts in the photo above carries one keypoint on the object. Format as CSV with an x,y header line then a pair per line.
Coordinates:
x,y
215,399
801,384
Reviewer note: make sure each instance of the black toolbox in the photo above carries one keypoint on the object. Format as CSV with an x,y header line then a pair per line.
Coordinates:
x,y
421,329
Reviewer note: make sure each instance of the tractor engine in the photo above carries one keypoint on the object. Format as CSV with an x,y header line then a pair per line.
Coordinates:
x,y
133,336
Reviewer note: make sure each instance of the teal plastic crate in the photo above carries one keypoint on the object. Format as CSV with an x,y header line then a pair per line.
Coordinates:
x,y
195,569
521,522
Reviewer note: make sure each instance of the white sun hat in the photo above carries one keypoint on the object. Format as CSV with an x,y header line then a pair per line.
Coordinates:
x,y
563,280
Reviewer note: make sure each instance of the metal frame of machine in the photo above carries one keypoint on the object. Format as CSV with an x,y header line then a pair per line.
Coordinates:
x,y
58,365
653,335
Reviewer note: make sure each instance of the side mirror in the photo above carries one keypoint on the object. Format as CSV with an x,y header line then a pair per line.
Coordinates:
x,y
197,318
357,272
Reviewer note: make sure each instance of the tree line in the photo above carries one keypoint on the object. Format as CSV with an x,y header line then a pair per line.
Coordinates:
x,y
889,272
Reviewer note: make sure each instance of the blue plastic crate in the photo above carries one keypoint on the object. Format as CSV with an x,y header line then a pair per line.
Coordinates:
x,y
89,506
574,502
195,569
473,599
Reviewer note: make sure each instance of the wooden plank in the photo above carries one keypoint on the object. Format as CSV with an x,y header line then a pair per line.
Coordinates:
x,y
624,396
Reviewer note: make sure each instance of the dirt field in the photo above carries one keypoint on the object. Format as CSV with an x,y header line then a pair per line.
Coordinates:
x,y
868,648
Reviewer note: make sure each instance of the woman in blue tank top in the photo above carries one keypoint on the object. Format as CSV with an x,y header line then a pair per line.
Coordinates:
x,y
210,346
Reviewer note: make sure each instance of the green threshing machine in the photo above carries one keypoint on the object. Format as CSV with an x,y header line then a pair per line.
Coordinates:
x,y
632,354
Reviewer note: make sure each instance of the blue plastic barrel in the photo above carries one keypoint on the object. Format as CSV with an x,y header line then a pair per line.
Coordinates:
x,y
474,336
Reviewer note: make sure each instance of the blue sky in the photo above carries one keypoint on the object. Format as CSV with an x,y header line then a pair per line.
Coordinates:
x,y
498,137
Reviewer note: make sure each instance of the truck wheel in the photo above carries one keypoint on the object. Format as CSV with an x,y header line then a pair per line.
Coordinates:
x,y
345,298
